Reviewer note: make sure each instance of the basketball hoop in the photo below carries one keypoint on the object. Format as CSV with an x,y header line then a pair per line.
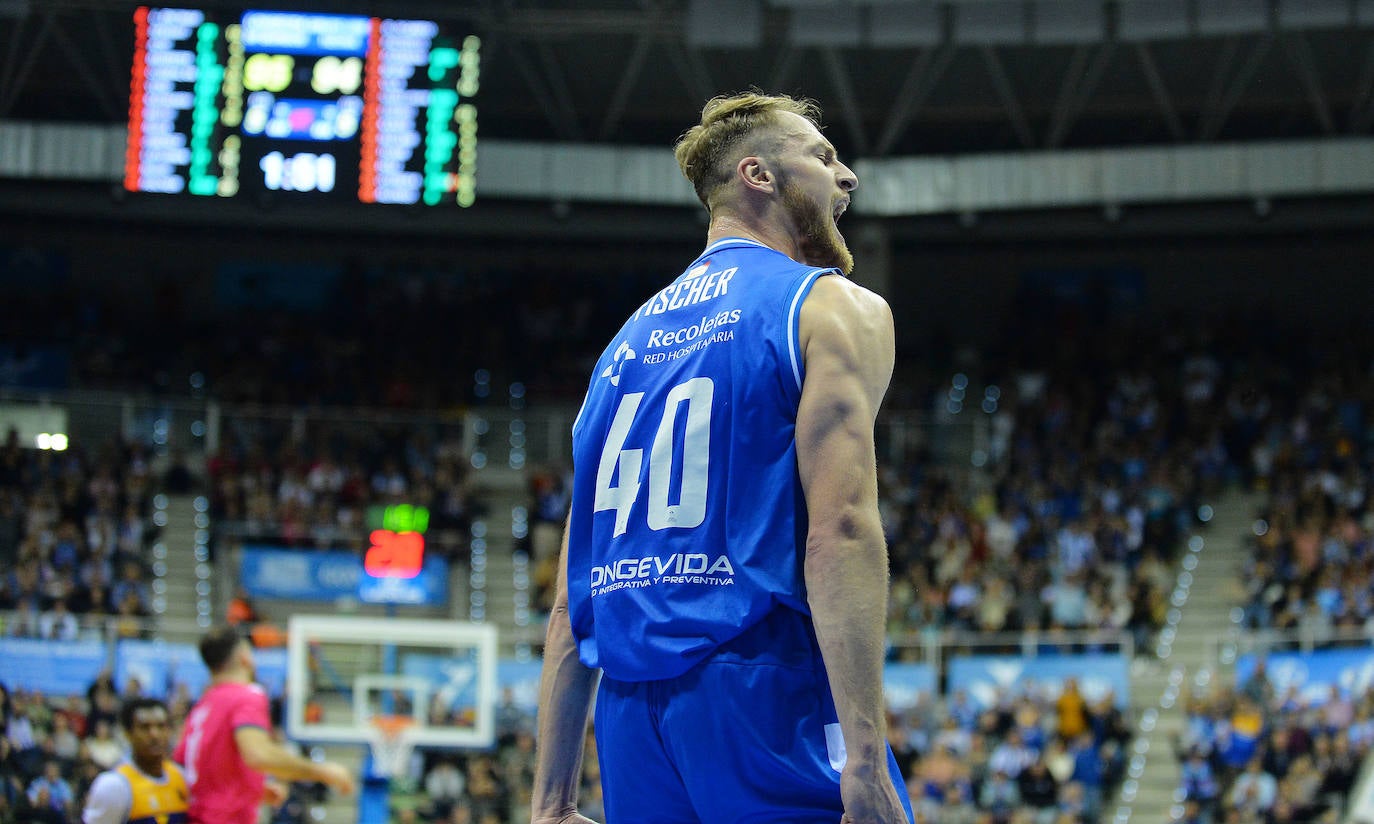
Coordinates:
x,y
391,744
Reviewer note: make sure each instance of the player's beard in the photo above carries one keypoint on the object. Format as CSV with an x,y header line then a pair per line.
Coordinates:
x,y
822,243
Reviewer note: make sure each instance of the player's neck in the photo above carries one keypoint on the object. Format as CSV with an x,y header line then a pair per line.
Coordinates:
x,y
152,769
231,675
727,225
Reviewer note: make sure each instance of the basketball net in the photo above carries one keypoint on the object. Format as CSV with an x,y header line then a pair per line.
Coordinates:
x,y
391,745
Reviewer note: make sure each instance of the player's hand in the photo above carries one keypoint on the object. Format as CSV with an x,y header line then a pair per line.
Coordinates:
x,y
275,793
869,797
334,775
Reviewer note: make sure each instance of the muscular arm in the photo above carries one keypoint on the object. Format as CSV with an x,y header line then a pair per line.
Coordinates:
x,y
847,339
565,697
261,753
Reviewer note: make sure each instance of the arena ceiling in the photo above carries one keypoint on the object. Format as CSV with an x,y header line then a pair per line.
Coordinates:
x,y
895,78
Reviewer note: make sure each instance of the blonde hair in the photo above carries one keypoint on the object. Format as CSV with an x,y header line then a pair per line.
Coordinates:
x,y
704,151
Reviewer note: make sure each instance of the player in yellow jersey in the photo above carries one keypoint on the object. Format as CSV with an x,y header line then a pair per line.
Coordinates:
x,y
149,788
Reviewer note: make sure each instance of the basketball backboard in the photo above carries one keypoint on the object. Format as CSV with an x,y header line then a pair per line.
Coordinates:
x,y
391,683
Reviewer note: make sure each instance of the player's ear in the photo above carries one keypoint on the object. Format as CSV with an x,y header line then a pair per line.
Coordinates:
x,y
756,174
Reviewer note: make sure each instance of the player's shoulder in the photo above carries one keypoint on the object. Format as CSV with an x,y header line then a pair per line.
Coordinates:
x,y
113,784
835,300
839,292
116,776
234,690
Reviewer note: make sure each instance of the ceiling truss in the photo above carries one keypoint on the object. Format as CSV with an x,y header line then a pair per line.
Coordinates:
x,y
68,60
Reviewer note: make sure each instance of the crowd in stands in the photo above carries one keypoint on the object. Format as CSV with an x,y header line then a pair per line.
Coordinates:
x,y
74,539
1313,549
328,489
53,747
1253,754
401,335
1106,437
1247,754
1033,758
1099,461
1257,753
1039,757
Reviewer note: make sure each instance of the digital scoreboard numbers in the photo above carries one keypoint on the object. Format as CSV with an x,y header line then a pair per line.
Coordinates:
x,y
322,105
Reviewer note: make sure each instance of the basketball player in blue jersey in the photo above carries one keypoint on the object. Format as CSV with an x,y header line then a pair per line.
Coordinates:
x,y
724,567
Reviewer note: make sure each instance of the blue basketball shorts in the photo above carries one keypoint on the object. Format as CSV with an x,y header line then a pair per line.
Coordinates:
x,y
748,735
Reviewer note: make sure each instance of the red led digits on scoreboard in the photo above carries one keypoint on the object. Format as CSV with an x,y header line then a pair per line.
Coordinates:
x,y
135,143
372,73
395,554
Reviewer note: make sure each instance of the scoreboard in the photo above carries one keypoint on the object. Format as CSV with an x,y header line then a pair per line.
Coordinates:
x,y
322,106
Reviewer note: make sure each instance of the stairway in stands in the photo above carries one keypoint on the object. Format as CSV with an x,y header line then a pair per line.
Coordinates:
x,y
501,567
182,598
1185,659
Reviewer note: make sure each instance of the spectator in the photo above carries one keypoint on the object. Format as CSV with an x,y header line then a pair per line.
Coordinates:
x,y
1089,774
1072,710
241,609
1038,788
1074,804
517,766
1000,796
952,737
1257,686
1011,756
20,727
41,810
58,624
52,790
1195,813
25,621
11,776
1199,783
511,717
1338,713
66,744
1255,790
1239,739
958,808
1300,785
101,746
131,588
485,788
445,785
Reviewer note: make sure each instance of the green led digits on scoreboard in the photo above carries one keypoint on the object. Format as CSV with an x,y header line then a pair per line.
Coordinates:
x,y
398,518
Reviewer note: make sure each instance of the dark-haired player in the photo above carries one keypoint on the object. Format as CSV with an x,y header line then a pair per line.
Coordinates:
x,y
148,788
227,747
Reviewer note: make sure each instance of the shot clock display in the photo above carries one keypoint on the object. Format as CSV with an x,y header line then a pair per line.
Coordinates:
x,y
319,105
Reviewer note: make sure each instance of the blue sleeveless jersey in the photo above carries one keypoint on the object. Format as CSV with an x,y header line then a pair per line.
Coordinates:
x,y
688,522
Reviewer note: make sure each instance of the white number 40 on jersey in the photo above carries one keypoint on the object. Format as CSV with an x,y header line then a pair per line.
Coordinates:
x,y
623,465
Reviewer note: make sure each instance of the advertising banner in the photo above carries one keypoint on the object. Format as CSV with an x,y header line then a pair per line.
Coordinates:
x,y
988,677
1313,674
50,667
160,668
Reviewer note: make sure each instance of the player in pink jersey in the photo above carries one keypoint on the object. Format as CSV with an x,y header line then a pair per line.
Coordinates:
x,y
226,748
